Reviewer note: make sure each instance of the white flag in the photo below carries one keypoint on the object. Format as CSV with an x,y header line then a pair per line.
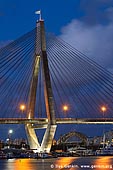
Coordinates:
x,y
38,12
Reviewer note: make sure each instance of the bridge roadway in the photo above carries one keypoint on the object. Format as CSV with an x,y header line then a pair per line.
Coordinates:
x,y
44,121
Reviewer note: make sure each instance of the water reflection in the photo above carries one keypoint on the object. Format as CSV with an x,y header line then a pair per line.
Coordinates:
x,y
65,163
41,164
20,164
104,162
62,163
27,164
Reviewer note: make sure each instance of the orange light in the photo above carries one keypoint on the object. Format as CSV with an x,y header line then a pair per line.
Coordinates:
x,y
22,107
65,108
103,109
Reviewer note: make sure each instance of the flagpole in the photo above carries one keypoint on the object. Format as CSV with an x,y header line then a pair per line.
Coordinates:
x,y
40,18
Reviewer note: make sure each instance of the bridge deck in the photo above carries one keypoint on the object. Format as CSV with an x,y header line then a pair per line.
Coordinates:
x,y
44,121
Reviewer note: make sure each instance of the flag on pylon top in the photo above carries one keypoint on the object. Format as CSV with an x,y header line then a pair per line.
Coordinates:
x,y
38,12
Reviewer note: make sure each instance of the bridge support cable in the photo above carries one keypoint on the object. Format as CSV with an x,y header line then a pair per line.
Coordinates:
x,y
15,74
66,71
96,81
57,94
10,52
65,93
69,51
64,68
15,87
60,73
81,56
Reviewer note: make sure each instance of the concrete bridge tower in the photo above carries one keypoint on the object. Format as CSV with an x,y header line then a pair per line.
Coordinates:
x,y
41,56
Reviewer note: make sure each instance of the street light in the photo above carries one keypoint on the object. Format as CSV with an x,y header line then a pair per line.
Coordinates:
x,y
9,136
22,107
65,109
103,109
10,131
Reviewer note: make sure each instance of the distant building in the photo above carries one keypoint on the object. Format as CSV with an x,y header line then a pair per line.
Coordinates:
x,y
97,140
107,138
1,144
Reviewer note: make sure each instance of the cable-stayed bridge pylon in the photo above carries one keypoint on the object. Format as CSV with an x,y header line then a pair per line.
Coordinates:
x,y
48,94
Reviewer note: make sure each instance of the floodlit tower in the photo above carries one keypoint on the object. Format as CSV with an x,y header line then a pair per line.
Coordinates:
x,y
41,56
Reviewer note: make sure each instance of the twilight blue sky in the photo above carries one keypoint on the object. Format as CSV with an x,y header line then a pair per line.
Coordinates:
x,y
86,24
17,17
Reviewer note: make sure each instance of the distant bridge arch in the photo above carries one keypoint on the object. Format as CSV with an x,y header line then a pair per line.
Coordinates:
x,y
65,137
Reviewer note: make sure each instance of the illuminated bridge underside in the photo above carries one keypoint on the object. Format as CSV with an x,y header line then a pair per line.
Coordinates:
x,y
44,121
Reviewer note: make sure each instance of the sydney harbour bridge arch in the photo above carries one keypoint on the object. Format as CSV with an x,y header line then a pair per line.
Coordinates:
x,y
64,138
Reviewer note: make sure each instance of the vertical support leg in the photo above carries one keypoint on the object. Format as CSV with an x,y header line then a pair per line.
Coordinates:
x,y
48,138
32,138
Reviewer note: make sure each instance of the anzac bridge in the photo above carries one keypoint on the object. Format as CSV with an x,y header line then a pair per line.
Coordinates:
x,y
52,83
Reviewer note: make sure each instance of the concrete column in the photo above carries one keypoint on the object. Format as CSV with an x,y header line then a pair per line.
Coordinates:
x,y
48,138
32,138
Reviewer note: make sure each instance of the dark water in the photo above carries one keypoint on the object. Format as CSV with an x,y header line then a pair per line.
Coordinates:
x,y
67,163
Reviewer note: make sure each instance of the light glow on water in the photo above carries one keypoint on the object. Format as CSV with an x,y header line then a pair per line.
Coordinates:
x,y
61,163
19,164
65,163
105,162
